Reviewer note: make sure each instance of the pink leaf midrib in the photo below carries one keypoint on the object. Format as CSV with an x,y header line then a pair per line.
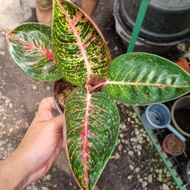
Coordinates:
x,y
28,46
76,33
84,136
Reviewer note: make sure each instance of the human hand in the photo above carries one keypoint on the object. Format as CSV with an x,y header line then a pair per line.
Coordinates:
x,y
44,139
39,147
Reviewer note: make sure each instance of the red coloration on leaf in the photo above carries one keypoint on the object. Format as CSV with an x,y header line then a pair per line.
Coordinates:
x,y
92,106
71,24
52,63
161,86
88,36
27,46
85,117
164,85
84,136
76,19
85,46
49,53
81,126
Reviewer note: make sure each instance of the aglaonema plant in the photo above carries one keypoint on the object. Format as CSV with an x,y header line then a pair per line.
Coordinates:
x,y
74,49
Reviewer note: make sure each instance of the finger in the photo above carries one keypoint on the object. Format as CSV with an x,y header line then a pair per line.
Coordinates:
x,y
59,122
45,109
47,104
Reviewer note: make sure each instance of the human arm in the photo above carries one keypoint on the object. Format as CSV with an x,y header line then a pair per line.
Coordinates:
x,y
37,151
89,6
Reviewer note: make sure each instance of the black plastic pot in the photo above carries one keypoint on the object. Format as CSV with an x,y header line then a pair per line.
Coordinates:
x,y
61,91
56,90
186,172
166,23
180,115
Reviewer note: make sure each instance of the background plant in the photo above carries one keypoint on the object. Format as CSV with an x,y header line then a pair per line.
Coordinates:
x,y
74,49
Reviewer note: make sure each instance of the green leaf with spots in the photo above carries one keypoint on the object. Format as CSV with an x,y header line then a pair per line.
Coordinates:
x,y
79,47
92,128
30,48
143,78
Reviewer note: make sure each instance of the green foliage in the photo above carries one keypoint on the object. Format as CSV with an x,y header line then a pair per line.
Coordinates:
x,y
143,78
80,51
30,48
92,130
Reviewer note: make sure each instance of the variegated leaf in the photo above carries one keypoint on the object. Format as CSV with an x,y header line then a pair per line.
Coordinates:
x,y
143,78
80,50
30,48
92,123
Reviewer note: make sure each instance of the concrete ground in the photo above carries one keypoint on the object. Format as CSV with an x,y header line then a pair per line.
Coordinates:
x,y
132,167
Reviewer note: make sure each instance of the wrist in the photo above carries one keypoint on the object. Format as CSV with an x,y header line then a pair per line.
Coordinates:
x,y
14,172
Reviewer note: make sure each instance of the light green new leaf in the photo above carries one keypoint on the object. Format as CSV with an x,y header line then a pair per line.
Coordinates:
x,y
80,50
30,48
143,78
92,123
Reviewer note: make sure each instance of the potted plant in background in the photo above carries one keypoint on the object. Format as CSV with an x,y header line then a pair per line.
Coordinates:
x,y
172,145
180,114
74,49
186,171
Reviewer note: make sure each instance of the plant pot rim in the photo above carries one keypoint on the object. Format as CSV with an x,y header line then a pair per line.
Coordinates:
x,y
167,151
172,115
185,172
62,89
58,107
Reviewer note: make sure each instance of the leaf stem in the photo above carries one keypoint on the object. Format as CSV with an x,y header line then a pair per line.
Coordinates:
x,y
97,86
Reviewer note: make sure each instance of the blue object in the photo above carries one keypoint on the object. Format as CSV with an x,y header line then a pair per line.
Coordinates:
x,y
157,116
